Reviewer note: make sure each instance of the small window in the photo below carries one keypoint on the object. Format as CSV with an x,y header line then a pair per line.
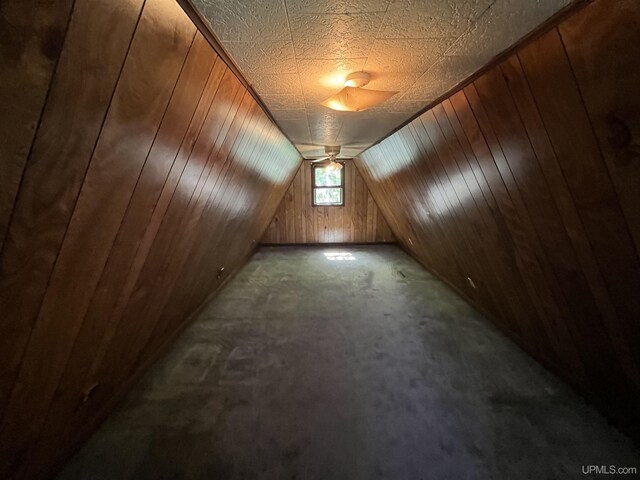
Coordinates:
x,y
328,185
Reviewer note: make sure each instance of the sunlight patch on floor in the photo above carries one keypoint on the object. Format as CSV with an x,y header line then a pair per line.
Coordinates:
x,y
339,256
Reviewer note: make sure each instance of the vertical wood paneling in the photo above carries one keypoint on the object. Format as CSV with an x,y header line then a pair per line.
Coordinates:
x,y
129,246
30,44
64,144
297,221
583,166
134,116
151,169
563,272
605,81
525,182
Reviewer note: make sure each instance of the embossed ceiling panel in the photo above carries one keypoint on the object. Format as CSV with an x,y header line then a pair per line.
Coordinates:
x,y
432,19
336,6
296,53
401,55
334,35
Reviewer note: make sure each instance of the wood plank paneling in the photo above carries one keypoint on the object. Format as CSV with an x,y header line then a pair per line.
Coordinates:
x,y
140,222
30,44
527,182
135,113
151,169
57,164
572,136
297,221
605,81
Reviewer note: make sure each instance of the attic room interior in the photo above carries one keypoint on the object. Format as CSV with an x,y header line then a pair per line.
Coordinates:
x,y
319,239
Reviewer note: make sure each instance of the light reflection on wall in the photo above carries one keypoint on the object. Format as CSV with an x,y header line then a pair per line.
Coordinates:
x,y
382,170
270,139
395,157
251,153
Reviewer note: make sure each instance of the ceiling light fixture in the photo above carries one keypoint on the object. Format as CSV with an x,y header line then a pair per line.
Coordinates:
x,y
354,98
334,166
329,162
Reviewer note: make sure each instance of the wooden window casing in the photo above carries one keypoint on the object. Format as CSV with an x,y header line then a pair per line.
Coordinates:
x,y
316,187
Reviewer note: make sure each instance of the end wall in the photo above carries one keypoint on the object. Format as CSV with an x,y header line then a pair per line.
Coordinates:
x,y
297,221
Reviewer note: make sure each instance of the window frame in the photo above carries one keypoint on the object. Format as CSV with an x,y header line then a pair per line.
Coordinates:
x,y
314,187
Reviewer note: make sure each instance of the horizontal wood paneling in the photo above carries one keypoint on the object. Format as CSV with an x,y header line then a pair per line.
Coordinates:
x,y
297,221
151,170
522,192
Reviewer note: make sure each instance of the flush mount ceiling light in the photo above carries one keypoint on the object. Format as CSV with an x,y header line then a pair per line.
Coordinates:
x,y
354,98
329,162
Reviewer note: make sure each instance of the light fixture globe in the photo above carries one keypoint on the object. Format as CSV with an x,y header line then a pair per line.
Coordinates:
x,y
357,79
334,166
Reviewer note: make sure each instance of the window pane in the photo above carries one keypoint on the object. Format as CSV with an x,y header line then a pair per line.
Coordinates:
x,y
328,196
327,178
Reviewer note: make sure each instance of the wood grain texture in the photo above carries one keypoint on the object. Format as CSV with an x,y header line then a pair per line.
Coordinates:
x,y
67,135
151,169
607,83
521,191
30,44
297,221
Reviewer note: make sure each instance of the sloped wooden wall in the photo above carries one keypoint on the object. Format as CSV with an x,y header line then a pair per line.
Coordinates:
x,y
297,221
140,175
523,192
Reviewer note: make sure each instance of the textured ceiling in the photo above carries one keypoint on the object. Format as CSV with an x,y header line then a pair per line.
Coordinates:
x,y
296,53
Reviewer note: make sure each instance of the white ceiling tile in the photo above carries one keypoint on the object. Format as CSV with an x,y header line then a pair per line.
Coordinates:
x,y
408,106
324,138
283,102
262,57
310,150
324,121
336,6
377,112
443,75
502,25
297,131
391,81
359,131
402,55
289,114
330,72
424,90
350,152
296,53
276,83
324,126
334,36
431,18
246,20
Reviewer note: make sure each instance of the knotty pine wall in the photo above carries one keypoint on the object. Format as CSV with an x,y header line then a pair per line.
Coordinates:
x,y
527,181
297,221
138,167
